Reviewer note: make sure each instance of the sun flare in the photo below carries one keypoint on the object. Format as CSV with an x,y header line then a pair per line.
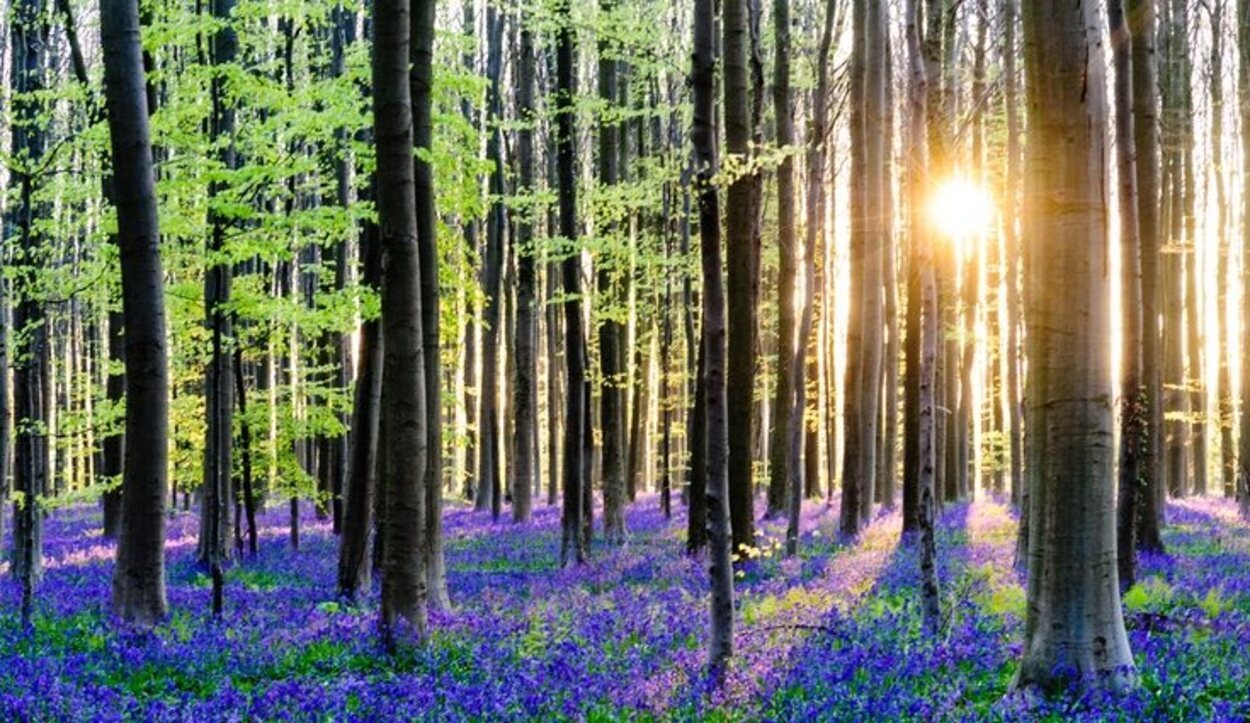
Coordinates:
x,y
960,208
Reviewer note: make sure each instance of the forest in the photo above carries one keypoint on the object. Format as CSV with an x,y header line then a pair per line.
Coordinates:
x,y
638,360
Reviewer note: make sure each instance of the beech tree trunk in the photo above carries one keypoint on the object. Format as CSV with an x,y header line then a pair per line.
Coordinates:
x,y
354,563
1074,630
742,274
716,440
1243,100
489,478
1133,424
525,396
219,381
139,577
404,590
1141,22
576,517
788,291
28,33
611,332
421,88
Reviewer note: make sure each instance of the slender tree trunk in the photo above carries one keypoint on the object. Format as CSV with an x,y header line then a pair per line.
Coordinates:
x,y
1133,424
742,275
526,394
139,577
404,579
716,440
354,563
1243,101
1141,20
611,332
788,291
219,382
1074,630
421,88
28,32
818,148
574,542
1225,339
489,482
922,354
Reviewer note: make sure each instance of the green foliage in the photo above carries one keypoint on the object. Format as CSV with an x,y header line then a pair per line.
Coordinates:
x,y
1152,594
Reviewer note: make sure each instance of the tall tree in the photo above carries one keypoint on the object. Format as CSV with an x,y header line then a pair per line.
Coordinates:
x,y
1133,424
740,257
404,413
525,440
788,291
1074,629
611,330
139,578
28,37
361,483
219,372
1142,27
923,323
422,91
716,441
1243,101
575,520
864,342
489,479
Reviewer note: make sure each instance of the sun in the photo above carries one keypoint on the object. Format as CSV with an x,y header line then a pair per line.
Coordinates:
x,y
960,208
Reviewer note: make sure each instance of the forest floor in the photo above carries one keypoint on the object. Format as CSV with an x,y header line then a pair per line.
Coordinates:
x,y
832,635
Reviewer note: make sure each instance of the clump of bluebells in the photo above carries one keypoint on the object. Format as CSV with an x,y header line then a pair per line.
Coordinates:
x,y
832,635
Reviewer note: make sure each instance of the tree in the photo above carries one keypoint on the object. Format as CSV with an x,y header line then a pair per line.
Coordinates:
x,y
1142,27
422,90
404,590
1074,630
1243,99
575,516
361,482
716,441
139,578
742,274
525,440
864,343
611,331
28,30
219,372
489,482
1133,424
923,322
788,344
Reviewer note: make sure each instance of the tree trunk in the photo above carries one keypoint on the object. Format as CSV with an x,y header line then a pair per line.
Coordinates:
x,y
489,481
1141,19
742,275
404,411
28,32
863,395
576,420
923,323
611,332
1074,630
788,290
1133,424
219,381
139,577
1243,100
526,385
716,439
421,88
354,564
